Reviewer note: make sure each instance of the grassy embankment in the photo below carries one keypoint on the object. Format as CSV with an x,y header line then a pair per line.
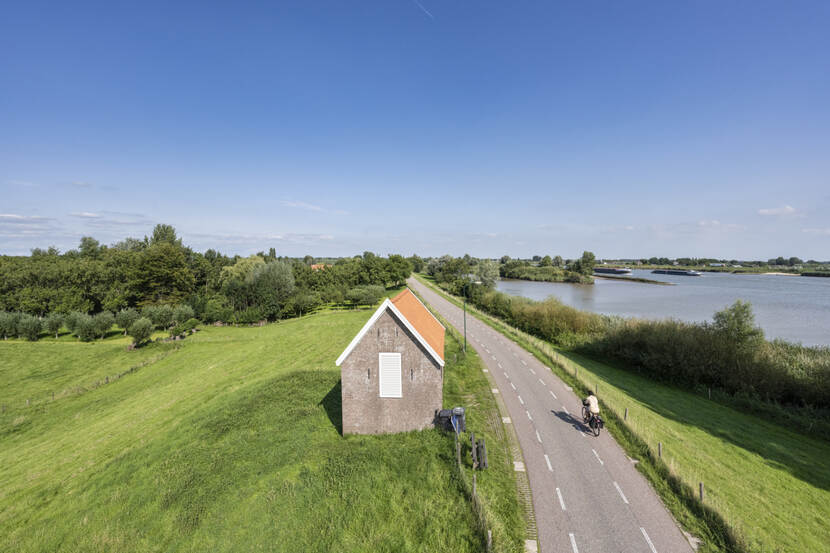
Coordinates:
x,y
229,441
769,484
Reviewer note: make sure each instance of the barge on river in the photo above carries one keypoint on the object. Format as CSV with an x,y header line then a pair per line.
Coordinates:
x,y
612,270
683,272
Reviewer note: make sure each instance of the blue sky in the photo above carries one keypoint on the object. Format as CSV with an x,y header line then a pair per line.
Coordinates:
x,y
626,128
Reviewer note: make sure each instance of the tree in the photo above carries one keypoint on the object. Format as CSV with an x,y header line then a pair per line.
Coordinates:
x,y
487,271
53,323
141,330
89,247
546,261
84,328
586,263
160,315
504,259
794,261
417,263
103,322
126,317
29,327
271,285
736,324
399,269
165,234
162,274
557,261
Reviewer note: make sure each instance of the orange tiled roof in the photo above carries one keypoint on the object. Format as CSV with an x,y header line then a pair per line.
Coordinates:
x,y
423,321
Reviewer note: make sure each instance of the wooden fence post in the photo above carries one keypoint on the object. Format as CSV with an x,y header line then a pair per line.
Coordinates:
x,y
660,449
701,491
489,540
625,417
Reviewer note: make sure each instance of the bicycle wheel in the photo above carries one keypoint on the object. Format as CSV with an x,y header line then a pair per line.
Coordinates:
x,y
585,414
595,427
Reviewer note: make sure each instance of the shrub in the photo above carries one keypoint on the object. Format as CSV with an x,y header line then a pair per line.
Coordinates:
x,y
84,328
71,320
182,313
248,316
126,317
365,295
184,327
53,323
103,322
29,327
160,315
8,325
141,330
217,309
301,303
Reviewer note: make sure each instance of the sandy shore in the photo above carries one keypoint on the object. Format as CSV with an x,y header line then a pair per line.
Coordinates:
x,y
782,274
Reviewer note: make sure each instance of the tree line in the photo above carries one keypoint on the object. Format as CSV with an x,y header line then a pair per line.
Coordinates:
x,y
159,271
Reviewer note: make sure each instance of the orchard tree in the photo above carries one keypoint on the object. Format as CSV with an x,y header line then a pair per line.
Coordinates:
x,y
53,323
141,330
125,318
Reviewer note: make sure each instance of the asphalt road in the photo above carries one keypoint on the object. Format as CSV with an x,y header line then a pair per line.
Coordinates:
x,y
587,495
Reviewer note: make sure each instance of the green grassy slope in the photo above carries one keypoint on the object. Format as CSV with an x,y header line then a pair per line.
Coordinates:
x,y
226,441
769,483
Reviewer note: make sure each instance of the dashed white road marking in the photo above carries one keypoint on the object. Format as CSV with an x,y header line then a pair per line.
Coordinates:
x,y
597,456
648,540
513,385
543,382
573,543
561,501
619,490
506,376
538,437
532,371
523,362
499,364
521,400
494,357
547,460
487,350
528,414
551,393
505,420
566,410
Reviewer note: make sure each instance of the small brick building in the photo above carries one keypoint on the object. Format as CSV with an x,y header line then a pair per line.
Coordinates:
x,y
392,372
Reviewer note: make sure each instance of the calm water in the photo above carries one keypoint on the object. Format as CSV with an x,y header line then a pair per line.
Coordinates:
x,y
790,307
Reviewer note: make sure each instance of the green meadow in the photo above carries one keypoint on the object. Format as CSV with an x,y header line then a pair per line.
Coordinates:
x,y
767,482
230,441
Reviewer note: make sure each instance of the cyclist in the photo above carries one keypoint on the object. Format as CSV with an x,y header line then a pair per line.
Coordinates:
x,y
592,404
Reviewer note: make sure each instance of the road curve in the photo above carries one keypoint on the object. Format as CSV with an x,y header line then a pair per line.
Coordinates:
x,y
587,495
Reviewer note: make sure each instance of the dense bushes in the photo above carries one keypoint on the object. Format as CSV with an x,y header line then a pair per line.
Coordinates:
x,y
141,330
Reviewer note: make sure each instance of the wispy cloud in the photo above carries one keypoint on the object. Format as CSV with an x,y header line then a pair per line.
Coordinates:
x,y
85,215
311,207
821,231
778,211
25,183
14,225
423,9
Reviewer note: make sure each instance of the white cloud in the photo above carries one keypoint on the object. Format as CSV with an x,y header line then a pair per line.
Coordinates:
x,y
85,215
21,183
778,211
312,207
822,231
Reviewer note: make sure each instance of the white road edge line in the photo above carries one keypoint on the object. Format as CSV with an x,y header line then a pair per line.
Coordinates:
x,y
538,437
521,400
551,393
528,414
619,490
547,460
513,385
597,456
648,540
561,501
566,410
523,362
573,543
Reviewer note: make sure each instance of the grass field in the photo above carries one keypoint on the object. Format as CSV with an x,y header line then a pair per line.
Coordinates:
x,y
229,441
769,483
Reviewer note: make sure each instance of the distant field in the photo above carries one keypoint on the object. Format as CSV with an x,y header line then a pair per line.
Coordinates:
x,y
227,441
771,484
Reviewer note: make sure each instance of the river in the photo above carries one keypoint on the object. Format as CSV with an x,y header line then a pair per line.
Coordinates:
x,y
790,307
